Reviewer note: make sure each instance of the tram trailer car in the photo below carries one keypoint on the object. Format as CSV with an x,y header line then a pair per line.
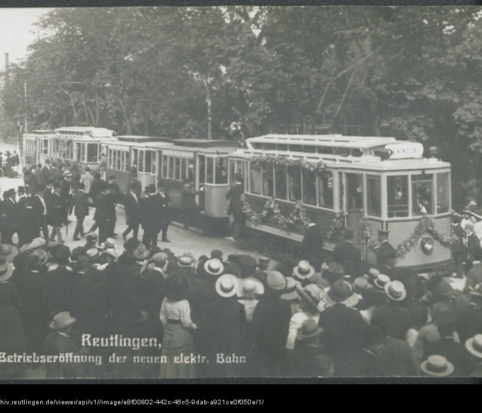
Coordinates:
x,y
384,182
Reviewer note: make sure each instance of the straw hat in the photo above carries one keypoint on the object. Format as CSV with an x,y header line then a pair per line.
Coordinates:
x,y
360,284
309,329
62,320
304,270
214,267
109,243
276,281
474,345
6,269
396,291
290,290
227,285
437,366
381,281
93,254
9,252
141,252
250,286
111,252
185,261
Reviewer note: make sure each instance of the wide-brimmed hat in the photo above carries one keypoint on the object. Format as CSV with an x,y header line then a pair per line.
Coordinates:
x,y
43,256
177,288
185,261
62,320
6,269
309,329
341,292
250,286
109,243
290,292
304,270
110,252
474,345
227,285
9,252
437,366
276,281
141,252
360,284
160,259
93,254
396,291
372,274
311,294
131,244
214,267
381,281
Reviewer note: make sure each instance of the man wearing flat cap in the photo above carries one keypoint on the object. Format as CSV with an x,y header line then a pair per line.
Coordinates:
x,y
349,256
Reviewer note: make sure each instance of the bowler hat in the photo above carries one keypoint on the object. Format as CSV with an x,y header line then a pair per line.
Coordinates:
x,y
263,263
474,345
349,233
227,285
62,320
437,366
82,262
91,237
304,270
247,265
214,267
217,254
309,329
131,244
383,231
276,281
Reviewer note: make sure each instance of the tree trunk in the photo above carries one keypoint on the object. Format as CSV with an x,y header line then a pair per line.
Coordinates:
x,y
20,145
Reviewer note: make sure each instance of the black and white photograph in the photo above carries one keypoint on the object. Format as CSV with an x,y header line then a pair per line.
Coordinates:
x,y
240,192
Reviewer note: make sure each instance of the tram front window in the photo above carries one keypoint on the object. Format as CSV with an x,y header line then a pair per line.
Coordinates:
x,y
221,170
92,152
422,194
397,187
355,191
325,189
443,196
309,187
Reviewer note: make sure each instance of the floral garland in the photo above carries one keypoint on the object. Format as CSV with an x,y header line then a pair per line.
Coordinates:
x,y
314,167
425,226
337,226
272,207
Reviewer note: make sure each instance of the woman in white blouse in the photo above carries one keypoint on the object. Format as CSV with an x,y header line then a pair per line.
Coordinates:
x,y
176,319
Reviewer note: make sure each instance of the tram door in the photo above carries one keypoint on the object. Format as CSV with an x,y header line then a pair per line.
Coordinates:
x,y
201,179
353,198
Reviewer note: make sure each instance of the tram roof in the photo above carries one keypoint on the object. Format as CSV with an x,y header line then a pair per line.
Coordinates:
x,y
204,143
84,130
42,132
142,145
335,140
134,138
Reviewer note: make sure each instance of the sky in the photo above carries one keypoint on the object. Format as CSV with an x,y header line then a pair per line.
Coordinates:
x,y
16,32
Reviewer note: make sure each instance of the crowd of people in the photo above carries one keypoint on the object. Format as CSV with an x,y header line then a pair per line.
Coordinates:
x,y
214,315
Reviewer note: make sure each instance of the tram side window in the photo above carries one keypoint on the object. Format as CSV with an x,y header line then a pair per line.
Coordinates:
x,y
267,180
114,162
309,187
256,179
374,198
422,194
355,191
443,196
177,177
148,164
140,165
171,168
153,163
70,151
127,161
325,189
183,168
82,152
280,174
134,157
45,147
165,161
210,170
239,175
221,170
397,188
190,169
294,183
92,152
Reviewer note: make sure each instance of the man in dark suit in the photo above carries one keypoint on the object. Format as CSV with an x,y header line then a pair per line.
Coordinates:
x,y
109,206
99,211
136,184
56,213
97,186
80,201
40,209
459,250
26,225
47,173
151,217
7,218
349,256
22,199
234,196
385,246
312,244
342,327
132,206
166,211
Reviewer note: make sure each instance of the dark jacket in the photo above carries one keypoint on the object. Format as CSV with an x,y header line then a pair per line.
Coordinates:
x,y
188,196
32,182
77,297
95,188
7,213
459,232
109,214
55,210
26,226
132,209
99,208
473,246
396,359
312,243
234,195
47,174
80,201
56,344
385,247
153,213
395,317
348,256
454,352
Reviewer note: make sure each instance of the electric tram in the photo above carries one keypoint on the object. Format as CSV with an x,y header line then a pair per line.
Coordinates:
x,y
367,183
